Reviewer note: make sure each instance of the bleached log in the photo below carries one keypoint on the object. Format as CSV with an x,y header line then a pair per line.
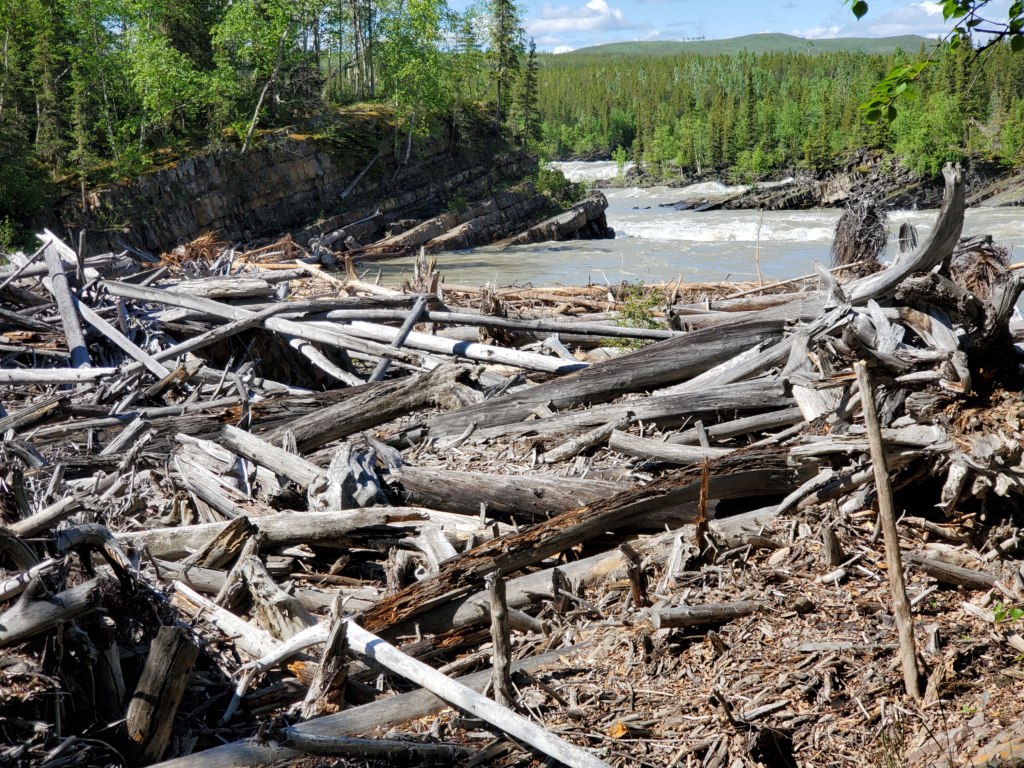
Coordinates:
x,y
58,285
19,583
623,442
478,352
284,529
384,713
36,611
940,243
24,376
490,321
119,339
47,518
392,752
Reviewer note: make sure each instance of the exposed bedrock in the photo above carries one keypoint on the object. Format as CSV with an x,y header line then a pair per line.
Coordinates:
x,y
445,197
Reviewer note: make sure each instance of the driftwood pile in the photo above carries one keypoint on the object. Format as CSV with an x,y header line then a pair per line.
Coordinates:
x,y
255,511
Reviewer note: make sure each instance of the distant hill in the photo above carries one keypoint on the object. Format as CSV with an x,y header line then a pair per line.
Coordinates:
x,y
768,42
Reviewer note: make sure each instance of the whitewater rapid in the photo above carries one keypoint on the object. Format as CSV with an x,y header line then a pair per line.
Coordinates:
x,y
655,243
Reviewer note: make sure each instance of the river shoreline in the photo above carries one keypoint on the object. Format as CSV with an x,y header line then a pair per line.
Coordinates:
x,y
865,173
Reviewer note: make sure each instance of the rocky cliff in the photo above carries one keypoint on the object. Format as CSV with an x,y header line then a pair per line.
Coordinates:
x,y
335,183
871,174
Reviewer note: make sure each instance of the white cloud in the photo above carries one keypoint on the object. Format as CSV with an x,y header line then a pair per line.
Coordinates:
x,y
818,33
924,19
595,16
563,49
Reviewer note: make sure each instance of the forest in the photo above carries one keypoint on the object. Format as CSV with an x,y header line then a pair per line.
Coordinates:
x,y
752,115
91,89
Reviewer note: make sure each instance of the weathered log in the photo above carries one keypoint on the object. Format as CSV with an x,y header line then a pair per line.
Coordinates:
x,y
501,656
47,518
155,701
58,285
36,412
667,410
23,376
386,713
277,460
526,498
330,675
951,574
623,442
490,321
323,333
224,546
659,364
442,387
273,609
120,340
212,581
739,474
699,615
412,318
834,556
36,611
726,429
392,752
583,442
940,243
284,529
18,583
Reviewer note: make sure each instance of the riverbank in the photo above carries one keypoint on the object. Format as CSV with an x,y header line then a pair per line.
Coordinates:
x,y
864,174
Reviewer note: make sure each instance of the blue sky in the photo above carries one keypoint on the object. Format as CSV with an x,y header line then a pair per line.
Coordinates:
x,y
559,25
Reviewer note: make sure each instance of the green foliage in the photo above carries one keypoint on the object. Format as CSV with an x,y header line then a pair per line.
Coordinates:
x,y
505,46
1010,615
92,88
552,182
24,183
619,156
930,133
750,116
638,308
967,17
7,234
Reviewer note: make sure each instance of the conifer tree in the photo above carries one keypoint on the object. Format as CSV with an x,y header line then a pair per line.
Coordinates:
x,y
505,47
527,122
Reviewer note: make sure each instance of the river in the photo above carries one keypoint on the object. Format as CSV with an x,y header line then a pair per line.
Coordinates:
x,y
654,243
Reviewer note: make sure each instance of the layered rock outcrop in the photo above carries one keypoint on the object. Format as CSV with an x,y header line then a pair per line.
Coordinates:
x,y
304,185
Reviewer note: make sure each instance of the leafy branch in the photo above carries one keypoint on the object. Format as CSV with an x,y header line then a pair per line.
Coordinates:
x,y
967,13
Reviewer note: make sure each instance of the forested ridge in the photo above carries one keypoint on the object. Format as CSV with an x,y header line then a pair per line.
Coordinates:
x,y
93,91
750,115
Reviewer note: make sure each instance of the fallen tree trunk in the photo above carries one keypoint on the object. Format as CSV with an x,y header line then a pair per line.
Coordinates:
x,y
659,364
386,713
743,473
698,615
37,612
441,387
667,410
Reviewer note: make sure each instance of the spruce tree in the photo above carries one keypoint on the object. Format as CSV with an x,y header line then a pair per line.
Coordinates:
x,y
505,47
527,122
